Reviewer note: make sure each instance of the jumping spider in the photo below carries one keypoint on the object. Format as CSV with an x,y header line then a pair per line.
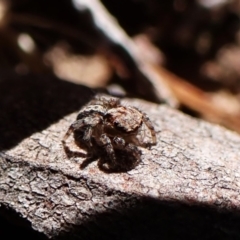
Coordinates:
x,y
109,130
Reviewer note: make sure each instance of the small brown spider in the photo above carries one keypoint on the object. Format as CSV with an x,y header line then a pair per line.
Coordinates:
x,y
106,128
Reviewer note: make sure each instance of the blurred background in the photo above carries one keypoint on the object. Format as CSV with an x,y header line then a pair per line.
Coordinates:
x,y
192,47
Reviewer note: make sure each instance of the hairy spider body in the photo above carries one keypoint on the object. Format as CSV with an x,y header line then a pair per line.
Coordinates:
x,y
111,128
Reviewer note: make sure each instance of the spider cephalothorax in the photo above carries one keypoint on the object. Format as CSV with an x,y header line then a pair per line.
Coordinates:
x,y
107,128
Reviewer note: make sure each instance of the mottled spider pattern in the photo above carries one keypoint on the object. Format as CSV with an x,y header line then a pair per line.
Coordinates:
x,y
112,132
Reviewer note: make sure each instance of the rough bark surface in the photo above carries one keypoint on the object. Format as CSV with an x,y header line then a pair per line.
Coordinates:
x,y
194,163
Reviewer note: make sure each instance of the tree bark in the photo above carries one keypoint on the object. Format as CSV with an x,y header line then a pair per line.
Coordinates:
x,y
186,186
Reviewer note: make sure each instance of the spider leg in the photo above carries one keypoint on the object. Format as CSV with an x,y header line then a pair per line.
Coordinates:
x,y
120,143
106,143
148,123
87,136
74,126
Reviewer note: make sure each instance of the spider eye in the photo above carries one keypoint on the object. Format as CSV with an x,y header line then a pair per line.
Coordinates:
x,y
115,122
122,119
120,127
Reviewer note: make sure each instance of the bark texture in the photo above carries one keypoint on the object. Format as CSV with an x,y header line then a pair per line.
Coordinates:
x,y
186,186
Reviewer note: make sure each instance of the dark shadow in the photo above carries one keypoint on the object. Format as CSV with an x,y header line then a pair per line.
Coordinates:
x,y
12,226
31,103
149,218
154,219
